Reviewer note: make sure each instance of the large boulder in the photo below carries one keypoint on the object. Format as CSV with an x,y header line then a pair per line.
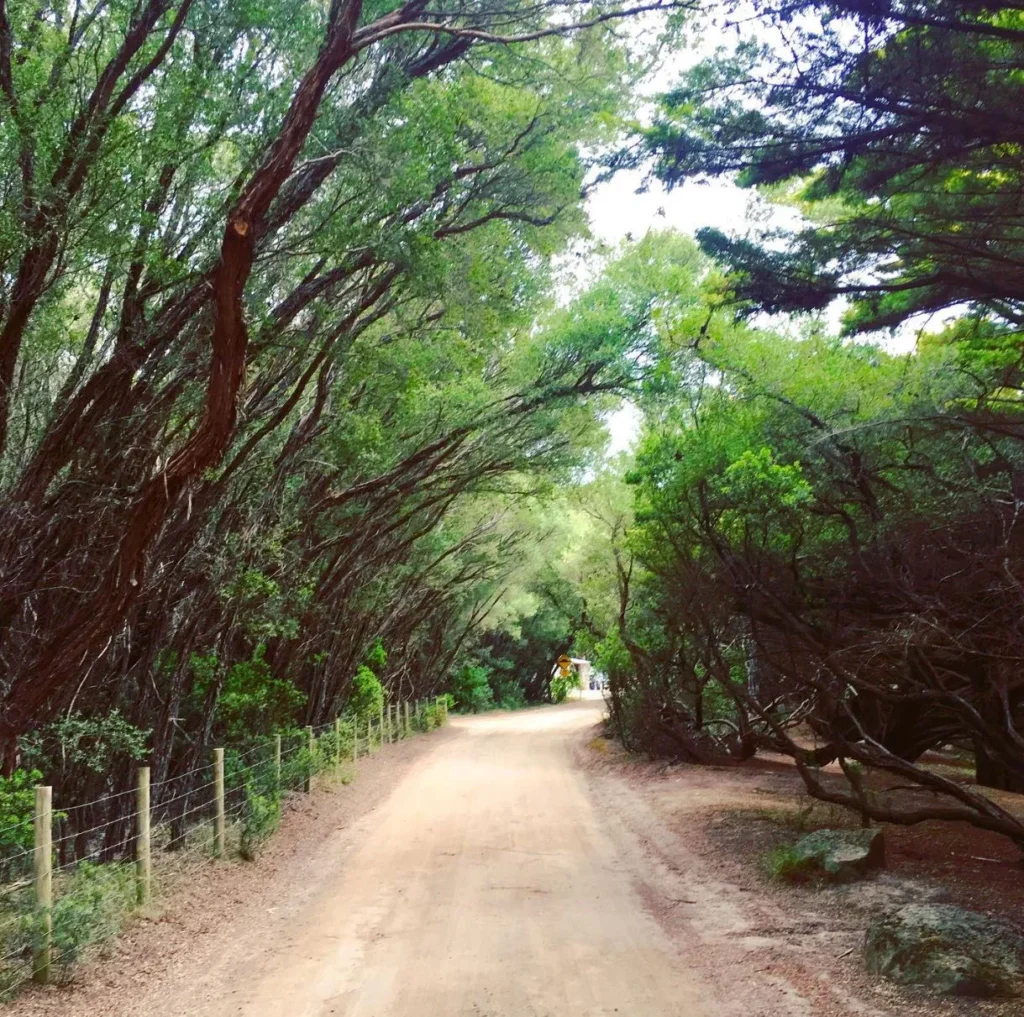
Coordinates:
x,y
947,949
835,856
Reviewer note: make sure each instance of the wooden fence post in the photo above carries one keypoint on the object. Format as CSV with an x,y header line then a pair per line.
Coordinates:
x,y
381,719
419,714
277,763
337,742
218,792
307,785
408,723
355,740
369,735
43,859
143,862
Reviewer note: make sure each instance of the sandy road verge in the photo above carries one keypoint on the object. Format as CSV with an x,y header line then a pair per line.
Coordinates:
x,y
696,835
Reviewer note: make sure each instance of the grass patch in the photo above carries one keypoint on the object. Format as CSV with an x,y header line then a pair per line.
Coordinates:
x,y
785,865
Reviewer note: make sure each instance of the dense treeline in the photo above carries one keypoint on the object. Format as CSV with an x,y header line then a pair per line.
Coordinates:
x,y
276,345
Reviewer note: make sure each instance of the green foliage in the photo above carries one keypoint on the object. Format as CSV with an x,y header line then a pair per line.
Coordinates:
x,y
83,756
261,814
432,716
258,602
251,702
611,657
367,695
376,658
77,743
506,691
906,207
17,806
471,690
90,907
562,685
299,763
406,366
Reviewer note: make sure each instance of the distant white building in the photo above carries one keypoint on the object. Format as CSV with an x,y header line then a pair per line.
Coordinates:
x,y
584,669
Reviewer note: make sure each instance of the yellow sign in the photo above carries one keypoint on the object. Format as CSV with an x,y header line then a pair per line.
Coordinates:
x,y
564,660
564,665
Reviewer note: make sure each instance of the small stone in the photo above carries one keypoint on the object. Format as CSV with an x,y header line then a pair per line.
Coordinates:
x,y
947,949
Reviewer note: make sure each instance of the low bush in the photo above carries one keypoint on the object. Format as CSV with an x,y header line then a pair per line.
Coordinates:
x,y
90,908
472,690
261,816
431,716
562,685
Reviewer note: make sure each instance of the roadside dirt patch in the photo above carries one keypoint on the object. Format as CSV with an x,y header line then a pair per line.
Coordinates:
x,y
778,950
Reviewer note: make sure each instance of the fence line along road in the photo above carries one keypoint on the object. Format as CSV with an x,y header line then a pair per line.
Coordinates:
x,y
282,771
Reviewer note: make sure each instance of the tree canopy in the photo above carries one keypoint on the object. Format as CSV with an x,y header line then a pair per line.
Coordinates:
x,y
893,126
302,411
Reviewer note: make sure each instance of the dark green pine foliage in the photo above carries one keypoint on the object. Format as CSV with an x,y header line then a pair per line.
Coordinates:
x,y
895,125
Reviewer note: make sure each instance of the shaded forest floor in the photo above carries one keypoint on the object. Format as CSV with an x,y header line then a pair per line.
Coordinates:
x,y
706,831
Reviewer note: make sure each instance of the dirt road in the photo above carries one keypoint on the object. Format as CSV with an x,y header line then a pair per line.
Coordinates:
x,y
486,885
511,865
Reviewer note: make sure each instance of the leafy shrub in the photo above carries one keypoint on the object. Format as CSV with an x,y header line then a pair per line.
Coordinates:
x,y
90,906
261,817
367,694
562,685
16,931
432,715
472,690
253,784
506,691
376,658
79,754
253,702
299,763
77,742
17,805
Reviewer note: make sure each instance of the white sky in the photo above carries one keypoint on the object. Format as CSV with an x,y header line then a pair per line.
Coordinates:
x,y
616,209
618,212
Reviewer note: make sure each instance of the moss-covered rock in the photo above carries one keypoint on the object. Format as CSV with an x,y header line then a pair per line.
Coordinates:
x,y
946,949
833,856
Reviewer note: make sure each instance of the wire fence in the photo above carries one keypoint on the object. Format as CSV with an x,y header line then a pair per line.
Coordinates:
x,y
70,876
